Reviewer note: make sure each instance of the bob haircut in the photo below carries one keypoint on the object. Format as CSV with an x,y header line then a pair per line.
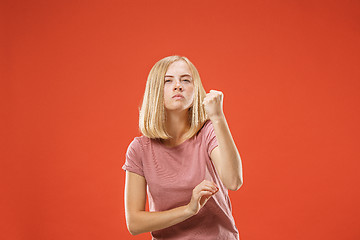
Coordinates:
x,y
152,116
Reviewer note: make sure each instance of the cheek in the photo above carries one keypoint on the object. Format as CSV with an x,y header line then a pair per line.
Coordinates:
x,y
166,91
191,91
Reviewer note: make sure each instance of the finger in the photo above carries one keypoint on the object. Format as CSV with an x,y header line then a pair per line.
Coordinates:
x,y
205,193
211,183
215,186
216,91
208,184
204,200
205,196
202,194
209,188
205,186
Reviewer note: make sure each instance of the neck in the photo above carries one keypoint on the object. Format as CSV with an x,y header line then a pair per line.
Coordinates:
x,y
177,124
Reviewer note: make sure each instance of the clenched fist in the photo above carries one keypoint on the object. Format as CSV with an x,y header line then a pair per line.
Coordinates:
x,y
213,104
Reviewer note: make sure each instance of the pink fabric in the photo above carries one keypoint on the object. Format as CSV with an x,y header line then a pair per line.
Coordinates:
x,y
172,173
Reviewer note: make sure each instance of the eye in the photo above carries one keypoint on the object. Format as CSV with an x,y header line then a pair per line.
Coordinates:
x,y
186,80
167,80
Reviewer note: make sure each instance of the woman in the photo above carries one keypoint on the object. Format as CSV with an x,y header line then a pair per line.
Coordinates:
x,y
185,161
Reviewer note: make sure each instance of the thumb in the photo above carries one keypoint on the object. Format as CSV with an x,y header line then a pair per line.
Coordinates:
x,y
204,198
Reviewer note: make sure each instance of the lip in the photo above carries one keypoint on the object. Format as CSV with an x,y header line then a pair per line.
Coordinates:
x,y
178,96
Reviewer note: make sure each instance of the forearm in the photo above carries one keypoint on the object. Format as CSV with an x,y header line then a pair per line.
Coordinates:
x,y
230,164
143,221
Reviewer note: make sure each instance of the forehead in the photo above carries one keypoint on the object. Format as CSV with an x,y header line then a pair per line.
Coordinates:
x,y
178,67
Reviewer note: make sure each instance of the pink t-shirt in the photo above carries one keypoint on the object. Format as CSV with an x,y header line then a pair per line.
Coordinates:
x,y
172,173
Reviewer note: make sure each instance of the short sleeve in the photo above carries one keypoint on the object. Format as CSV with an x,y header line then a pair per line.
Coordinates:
x,y
210,137
133,158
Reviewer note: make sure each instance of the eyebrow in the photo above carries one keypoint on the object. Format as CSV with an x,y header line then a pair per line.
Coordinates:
x,y
184,75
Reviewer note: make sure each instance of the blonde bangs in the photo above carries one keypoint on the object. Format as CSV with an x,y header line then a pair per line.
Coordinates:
x,y
152,112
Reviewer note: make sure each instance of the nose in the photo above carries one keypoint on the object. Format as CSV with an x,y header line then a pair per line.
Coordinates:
x,y
178,86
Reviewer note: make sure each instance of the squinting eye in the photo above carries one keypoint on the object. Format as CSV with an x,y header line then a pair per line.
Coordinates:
x,y
187,80
167,80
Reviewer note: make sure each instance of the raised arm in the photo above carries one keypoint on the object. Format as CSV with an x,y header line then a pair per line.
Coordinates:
x,y
139,221
226,157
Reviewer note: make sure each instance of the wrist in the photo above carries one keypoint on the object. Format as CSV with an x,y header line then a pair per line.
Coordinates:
x,y
189,212
217,118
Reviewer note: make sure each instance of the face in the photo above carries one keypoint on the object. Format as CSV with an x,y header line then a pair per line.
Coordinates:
x,y
178,81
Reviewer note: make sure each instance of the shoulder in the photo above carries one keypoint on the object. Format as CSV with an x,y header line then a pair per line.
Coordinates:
x,y
208,124
207,127
138,143
206,132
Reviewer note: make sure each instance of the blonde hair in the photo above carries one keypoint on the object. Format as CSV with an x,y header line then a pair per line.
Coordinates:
x,y
152,114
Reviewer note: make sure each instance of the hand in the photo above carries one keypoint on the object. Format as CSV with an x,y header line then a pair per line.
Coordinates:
x,y
213,104
201,194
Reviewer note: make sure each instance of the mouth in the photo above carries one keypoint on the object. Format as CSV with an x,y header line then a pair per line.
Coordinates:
x,y
178,96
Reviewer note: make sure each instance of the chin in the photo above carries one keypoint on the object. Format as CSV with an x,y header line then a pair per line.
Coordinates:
x,y
178,106
179,109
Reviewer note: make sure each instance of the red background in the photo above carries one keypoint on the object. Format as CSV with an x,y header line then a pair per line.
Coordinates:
x,y
72,78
